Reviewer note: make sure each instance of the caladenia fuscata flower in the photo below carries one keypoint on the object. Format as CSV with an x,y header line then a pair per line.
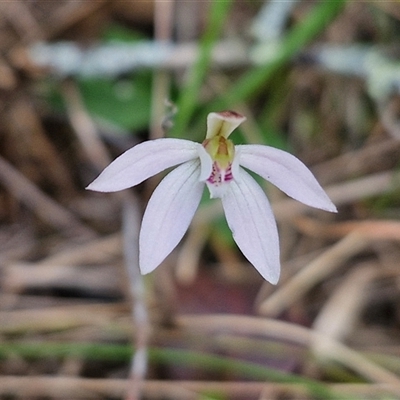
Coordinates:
x,y
221,166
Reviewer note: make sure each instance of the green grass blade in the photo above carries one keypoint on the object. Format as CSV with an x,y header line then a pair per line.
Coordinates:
x,y
189,94
187,358
301,34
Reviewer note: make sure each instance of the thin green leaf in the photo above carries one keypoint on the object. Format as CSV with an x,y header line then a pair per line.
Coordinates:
x,y
189,94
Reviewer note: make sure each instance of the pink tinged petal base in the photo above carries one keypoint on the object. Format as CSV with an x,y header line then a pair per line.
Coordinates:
x,y
143,161
249,216
286,172
168,214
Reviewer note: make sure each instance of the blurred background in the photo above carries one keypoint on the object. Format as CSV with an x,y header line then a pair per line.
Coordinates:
x,y
83,81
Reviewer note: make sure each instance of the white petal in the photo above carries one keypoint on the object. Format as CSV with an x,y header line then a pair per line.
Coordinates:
x,y
143,161
253,225
223,123
217,191
168,214
287,172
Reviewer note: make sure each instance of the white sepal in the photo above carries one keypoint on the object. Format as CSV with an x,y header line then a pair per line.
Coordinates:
x,y
286,172
168,214
253,225
143,161
223,123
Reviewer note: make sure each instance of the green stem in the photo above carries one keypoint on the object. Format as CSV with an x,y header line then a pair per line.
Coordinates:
x,y
189,94
179,357
301,34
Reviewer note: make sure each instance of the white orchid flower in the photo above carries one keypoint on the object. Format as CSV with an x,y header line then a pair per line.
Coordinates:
x,y
220,165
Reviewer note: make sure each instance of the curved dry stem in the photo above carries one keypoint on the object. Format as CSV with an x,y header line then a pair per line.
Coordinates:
x,y
317,270
294,333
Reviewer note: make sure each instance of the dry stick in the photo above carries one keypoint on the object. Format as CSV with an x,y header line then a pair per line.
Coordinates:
x,y
357,162
62,268
342,310
21,118
268,327
372,229
84,127
70,13
22,277
95,251
371,185
64,318
163,25
45,207
97,153
289,267
19,15
190,253
85,388
313,273
17,242
131,228
339,313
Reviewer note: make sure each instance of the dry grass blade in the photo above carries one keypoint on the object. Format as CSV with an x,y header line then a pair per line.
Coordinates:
x,y
340,353
189,255
20,16
42,205
70,13
357,163
84,127
81,388
100,280
22,118
313,273
95,251
63,318
371,229
341,312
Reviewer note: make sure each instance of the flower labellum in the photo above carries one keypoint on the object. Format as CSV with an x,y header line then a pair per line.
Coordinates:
x,y
221,166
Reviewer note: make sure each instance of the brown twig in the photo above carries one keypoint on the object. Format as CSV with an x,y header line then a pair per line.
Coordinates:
x,y
64,318
313,273
84,388
42,205
244,325
371,229
341,312
94,251
96,152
